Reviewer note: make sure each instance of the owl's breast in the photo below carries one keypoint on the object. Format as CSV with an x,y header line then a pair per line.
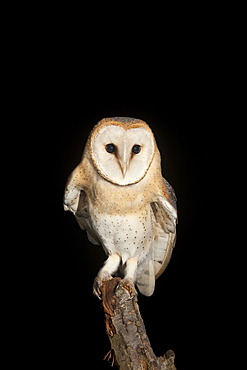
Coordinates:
x,y
112,199
123,228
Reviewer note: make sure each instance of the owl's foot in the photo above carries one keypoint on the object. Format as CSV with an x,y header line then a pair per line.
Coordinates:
x,y
98,281
110,265
129,285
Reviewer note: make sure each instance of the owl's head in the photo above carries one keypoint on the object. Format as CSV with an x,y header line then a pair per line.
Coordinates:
x,y
122,149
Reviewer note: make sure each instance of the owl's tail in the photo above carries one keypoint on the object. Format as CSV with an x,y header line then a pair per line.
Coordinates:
x,y
145,279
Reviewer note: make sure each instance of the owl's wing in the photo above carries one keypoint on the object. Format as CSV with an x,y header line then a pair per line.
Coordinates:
x,y
164,213
165,220
75,200
72,191
84,220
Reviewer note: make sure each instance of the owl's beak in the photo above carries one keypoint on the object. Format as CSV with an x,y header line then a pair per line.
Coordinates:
x,y
123,159
123,166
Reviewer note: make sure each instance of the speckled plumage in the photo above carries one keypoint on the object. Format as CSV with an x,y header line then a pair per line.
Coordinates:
x,y
123,202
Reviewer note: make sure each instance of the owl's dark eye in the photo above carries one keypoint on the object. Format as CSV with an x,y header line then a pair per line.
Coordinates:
x,y
110,148
136,149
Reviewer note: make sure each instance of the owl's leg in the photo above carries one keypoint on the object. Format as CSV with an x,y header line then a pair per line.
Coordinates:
x,y
131,267
110,266
129,278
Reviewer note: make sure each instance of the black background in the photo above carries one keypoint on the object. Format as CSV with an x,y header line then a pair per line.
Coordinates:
x,y
64,88
182,312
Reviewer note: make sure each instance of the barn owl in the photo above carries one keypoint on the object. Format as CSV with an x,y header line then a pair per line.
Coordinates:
x,y
118,195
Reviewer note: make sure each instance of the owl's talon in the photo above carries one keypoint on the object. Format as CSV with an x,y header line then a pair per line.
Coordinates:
x,y
97,285
128,285
97,291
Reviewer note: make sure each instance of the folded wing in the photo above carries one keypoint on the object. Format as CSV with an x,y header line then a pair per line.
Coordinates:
x,y
164,214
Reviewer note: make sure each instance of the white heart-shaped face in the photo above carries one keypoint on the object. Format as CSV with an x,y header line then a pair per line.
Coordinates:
x,y
122,156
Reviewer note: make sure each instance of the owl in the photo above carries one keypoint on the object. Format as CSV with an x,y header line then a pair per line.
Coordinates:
x,y
119,197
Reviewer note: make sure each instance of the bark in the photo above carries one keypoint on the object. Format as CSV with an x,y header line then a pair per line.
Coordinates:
x,y
130,346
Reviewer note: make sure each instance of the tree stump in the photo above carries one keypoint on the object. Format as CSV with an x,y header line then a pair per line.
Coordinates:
x,y
130,346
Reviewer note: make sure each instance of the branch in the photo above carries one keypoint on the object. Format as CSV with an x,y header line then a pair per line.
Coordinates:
x,y
130,346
